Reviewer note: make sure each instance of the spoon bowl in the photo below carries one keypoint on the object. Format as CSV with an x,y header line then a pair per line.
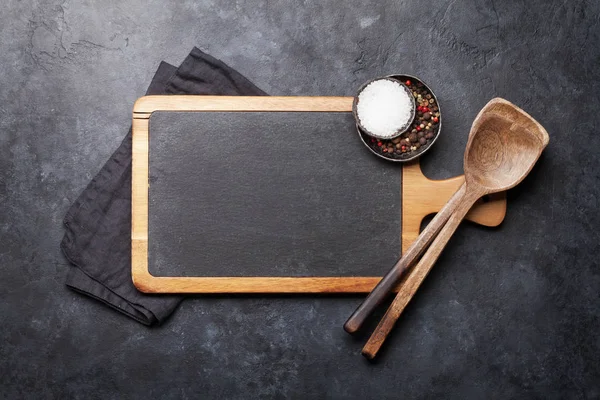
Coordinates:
x,y
504,145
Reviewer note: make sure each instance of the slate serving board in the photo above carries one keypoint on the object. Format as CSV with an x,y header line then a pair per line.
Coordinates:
x,y
269,195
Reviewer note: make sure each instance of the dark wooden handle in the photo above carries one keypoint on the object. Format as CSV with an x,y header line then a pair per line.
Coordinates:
x,y
387,283
416,277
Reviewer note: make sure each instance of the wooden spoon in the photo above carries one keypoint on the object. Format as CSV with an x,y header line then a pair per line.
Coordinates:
x,y
504,144
416,249
498,107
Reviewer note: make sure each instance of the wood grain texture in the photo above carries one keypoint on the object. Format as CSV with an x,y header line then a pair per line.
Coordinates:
x,y
144,106
424,197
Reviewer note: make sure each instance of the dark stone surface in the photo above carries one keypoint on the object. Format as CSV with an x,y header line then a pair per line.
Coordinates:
x,y
269,194
511,312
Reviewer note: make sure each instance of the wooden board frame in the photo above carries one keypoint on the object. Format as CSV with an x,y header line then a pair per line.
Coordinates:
x,y
420,197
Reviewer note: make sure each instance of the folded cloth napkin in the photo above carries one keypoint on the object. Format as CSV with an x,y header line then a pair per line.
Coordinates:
x,y
97,240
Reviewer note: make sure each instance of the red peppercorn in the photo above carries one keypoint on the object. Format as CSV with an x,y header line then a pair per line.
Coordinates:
x,y
379,144
435,119
384,150
403,147
425,109
408,83
418,128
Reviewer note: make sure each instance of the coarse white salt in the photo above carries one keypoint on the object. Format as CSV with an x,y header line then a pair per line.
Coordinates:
x,y
385,108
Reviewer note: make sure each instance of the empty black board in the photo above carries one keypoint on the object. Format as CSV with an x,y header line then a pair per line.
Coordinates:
x,y
268,194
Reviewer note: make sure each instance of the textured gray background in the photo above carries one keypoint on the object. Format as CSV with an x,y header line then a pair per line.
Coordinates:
x,y
507,313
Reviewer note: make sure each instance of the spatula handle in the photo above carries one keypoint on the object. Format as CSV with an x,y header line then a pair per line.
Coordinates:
x,y
416,277
389,281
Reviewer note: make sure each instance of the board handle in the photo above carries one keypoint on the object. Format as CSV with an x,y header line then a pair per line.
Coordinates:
x,y
422,196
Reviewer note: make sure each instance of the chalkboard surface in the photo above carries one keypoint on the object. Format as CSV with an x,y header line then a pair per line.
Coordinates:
x,y
268,194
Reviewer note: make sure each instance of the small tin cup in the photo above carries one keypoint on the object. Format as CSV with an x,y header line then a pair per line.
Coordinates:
x,y
366,138
399,131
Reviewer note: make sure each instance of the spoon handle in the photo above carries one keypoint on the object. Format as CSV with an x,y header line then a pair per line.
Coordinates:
x,y
416,277
389,281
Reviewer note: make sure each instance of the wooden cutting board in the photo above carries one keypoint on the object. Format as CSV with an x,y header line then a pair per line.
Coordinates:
x,y
419,196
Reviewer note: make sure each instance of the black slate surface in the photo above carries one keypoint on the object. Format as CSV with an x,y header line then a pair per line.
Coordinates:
x,y
507,313
269,194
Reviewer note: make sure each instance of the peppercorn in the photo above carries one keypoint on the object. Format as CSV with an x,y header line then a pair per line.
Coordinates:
x,y
422,141
427,116
412,137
